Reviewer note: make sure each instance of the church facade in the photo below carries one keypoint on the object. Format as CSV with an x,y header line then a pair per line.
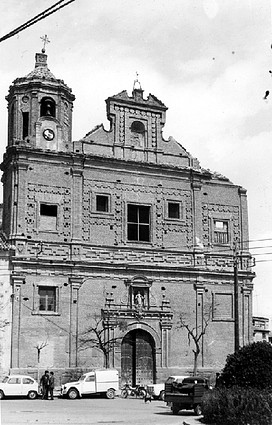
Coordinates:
x,y
120,239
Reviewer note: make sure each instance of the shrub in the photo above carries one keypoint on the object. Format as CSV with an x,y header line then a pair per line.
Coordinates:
x,y
251,366
232,406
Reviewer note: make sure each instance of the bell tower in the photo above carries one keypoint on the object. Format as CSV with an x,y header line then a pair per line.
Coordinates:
x,y
39,140
40,110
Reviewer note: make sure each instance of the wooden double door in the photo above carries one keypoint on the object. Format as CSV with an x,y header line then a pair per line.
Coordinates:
x,y
138,358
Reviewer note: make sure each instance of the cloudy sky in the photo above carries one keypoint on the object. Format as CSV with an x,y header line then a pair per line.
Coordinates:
x,y
207,60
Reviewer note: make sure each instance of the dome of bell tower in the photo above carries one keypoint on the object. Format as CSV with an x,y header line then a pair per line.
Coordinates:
x,y
41,69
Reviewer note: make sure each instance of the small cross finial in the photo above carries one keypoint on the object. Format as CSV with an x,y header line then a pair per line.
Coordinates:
x,y
45,40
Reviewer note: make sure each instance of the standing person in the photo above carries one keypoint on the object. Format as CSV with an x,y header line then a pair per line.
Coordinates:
x,y
44,382
51,385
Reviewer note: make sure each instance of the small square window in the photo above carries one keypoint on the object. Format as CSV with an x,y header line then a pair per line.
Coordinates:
x,y
174,210
47,298
102,203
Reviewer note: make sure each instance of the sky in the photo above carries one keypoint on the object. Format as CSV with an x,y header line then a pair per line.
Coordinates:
x,y
208,61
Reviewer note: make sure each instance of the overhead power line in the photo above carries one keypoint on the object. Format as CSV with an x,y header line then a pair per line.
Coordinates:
x,y
52,9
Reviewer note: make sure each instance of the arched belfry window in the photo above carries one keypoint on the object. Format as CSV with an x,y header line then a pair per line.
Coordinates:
x,y
138,133
137,127
48,107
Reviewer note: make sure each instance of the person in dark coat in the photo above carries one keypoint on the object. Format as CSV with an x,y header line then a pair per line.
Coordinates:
x,y
44,382
51,385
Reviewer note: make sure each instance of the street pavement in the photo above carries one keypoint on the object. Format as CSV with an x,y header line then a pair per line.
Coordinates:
x,y
91,411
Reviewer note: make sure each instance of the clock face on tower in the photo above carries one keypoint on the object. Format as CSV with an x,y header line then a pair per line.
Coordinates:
x,y
48,134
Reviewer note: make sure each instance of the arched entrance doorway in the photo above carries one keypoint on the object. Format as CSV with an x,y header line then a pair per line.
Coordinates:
x,y
138,358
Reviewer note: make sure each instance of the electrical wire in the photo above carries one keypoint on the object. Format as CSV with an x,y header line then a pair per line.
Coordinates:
x,y
37,18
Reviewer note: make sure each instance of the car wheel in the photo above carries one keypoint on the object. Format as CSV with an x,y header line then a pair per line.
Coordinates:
x,y
73,394
110,393
198,410
2,395
162,395
32,395
175,409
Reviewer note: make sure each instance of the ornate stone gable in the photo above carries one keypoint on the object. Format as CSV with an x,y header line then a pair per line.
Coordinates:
x,y
150,101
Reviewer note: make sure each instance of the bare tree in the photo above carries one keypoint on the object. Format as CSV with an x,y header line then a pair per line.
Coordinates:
x,y
3,324
196,333
39,348
96,336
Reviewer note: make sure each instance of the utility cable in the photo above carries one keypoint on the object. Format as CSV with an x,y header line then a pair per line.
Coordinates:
x,y
37,18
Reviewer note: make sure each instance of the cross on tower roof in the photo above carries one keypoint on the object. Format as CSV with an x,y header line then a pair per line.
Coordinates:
x,y
45,40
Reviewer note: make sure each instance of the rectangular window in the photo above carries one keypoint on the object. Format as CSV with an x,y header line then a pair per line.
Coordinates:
x,y
47,298
49,210
102,203
174,210
48,217
25,124
138,222
221,232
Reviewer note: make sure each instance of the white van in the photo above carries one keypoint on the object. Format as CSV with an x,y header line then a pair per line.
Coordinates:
x,y
103,381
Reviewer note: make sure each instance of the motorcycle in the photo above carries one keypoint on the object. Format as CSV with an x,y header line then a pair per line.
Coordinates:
x,y
129,391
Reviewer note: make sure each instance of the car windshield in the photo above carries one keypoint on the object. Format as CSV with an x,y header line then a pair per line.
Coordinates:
x,y
82,377
5,379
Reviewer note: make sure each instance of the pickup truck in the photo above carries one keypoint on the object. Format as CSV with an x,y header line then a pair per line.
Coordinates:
x,y
157,391
186,394
104,381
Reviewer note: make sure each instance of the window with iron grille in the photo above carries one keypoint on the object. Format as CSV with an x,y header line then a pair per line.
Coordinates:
x,y
47,298
138,223
221,232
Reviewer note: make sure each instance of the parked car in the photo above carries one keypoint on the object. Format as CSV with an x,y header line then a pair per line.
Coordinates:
x,y
19,385
104,381
157,391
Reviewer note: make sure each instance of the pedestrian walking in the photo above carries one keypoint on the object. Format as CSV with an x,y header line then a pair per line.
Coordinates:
x,y
51,385
44,382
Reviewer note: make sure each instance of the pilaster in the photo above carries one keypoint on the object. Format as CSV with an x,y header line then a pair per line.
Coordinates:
x,y
197,214
77,178
17,282
75,285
